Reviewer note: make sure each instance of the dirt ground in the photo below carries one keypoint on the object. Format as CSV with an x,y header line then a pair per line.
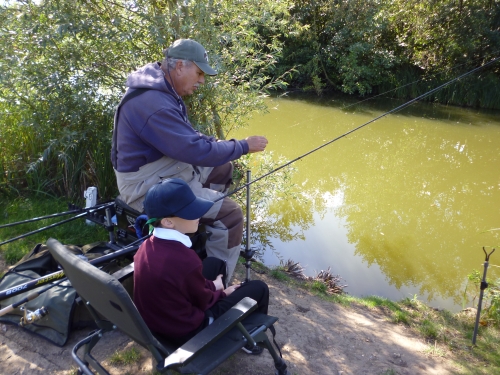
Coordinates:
x,y
316,337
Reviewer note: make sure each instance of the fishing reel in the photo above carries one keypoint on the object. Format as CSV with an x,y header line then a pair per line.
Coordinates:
x,y
247,254
32,316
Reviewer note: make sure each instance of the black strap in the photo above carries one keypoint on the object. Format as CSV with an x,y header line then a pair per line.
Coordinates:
x,y
114,147
273,331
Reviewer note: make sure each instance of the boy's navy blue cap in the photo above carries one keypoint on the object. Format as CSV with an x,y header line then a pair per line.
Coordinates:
x,y
174,197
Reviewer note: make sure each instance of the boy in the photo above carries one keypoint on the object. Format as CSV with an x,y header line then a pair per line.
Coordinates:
x,y
176,293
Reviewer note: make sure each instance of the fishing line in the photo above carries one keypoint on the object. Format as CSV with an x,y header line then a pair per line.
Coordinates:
x,y
362,126
411,83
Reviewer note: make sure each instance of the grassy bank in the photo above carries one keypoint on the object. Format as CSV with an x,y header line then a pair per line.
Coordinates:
x,y
446,333
13,210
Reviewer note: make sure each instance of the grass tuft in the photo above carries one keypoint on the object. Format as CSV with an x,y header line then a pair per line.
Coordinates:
x,y
127,357
429,329
318,286
401,317
389,371
435,351
279,274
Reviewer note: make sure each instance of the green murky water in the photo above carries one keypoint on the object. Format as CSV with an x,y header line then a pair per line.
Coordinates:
x,y
398,208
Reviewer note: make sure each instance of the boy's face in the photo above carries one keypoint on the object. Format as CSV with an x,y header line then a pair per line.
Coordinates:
x,y
181,225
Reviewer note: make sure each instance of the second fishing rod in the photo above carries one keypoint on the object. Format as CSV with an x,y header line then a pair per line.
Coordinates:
x,y
35,283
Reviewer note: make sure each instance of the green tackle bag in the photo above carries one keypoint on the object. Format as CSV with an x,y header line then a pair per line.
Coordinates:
x,y
63,312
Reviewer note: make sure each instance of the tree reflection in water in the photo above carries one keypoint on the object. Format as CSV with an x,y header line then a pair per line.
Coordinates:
x,y
416,189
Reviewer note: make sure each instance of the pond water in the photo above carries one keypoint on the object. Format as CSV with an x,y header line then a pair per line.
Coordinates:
x,y
400,208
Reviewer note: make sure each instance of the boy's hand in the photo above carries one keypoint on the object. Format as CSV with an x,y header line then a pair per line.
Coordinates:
x,y
218,283
231,289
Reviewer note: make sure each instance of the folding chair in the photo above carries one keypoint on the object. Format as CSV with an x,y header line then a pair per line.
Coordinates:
x,y
112,308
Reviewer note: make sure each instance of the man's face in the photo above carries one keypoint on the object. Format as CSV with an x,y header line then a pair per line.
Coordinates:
x,y
188,78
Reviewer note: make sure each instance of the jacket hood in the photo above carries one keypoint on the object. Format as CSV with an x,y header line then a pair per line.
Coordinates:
x,y
149,76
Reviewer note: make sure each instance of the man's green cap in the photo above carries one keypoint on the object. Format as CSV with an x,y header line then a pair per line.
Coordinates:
x,y
187,49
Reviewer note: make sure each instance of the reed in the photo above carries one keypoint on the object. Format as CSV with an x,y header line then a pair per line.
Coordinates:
x,y
55,154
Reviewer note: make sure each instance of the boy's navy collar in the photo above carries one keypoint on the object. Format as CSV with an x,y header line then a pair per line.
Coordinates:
x,y
173,235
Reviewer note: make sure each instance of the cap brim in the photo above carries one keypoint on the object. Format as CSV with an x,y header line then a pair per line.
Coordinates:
x,y
195,209
207,69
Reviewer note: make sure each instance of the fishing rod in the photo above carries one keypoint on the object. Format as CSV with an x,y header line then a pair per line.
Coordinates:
x,y
90,211
22,288
74,211
402,106
31,296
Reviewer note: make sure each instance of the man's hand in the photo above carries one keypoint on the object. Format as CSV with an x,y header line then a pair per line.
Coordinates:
x,y
218,283
256,143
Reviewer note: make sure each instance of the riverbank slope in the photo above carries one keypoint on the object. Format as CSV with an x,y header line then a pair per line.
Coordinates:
x,y
316,337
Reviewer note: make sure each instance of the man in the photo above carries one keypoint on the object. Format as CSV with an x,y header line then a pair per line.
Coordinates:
x,y
153,140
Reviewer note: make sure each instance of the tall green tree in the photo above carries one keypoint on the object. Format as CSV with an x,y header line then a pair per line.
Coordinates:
x,y
368,47
443,39
64,65
344,45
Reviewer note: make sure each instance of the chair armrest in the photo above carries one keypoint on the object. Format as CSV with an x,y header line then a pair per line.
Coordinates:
x,y
125,272
211,333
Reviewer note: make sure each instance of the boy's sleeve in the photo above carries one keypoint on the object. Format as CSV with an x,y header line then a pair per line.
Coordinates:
x,y
201,291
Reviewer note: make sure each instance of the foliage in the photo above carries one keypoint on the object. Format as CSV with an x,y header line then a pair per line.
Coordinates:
x,y
446,33
400,317
346,44
363,47
493,310
280,275
435,351
246,49
64,66
490,309
444,39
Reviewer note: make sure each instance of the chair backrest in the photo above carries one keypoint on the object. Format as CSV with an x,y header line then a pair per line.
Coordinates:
x,y
105,294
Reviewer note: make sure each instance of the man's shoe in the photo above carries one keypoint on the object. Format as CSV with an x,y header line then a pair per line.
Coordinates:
x,y
253,350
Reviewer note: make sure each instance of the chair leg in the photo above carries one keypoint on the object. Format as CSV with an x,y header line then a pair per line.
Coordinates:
x,y
88,344
279,363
